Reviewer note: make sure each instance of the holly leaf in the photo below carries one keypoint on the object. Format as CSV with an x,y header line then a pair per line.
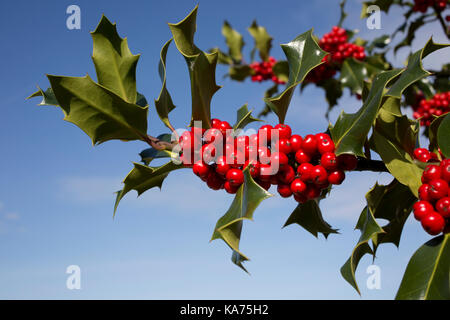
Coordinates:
x,y
142,178
414,70
234,41
164,104
281,70
443,136
369,229
433,133
244,117
353,74
263,41
269,93
394,139
427,274
222,58
392,203
350,130
240,72
379,42
309,216
83,100
410,33
114,63
149,154
303,54
201,66
229,227
48,97
333,91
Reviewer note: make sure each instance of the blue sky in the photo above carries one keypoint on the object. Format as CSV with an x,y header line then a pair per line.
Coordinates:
x,y
56,193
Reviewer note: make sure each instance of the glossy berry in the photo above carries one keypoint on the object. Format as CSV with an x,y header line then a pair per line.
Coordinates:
x,y
296,142
279,158
284,190
438,189
254,168
424,192
443,207
201,169
312,192
235,177
319,175
230,188
215,123
309,144
302,157
431,172
421,209
284,131
304,171
214,181
265,134
325,145
336,177
445,170
300,198
222,166
286,175
433,223
284,146
298,186
329,161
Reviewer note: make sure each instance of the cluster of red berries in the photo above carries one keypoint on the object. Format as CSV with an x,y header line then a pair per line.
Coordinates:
x,y
335,43
301,167
425,110
433,207
423,5
263,71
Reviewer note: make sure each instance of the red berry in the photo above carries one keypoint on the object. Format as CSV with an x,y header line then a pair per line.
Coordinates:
x,y
264,184
321,136
431,172
424,192
347,162
298,186
264,155
336,177
421,209
433,223
284,190
214,181
284,146
302,157
445,170
296,142
422,154
443,207
213,135
319,175
284,131
329,161
312,192
286,175
235,177
305,171
229,188
309,144
266,172
279,158
438,189
224,126
201,169
208,152
325,145
265,134
222,166
215,123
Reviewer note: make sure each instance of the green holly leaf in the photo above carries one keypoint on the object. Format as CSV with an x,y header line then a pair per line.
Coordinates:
x,y
82,100
114,63
164,104
240,72
443,136
433,133
263,41
223,58
394,139
369,229
149,154
410,33
201,66
229,227
309,216
414,70
234,41
333,91
303,54
281,70
379,42
244,117
273,90
48,97
350,130
353,74
427,274
142,178
393,203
